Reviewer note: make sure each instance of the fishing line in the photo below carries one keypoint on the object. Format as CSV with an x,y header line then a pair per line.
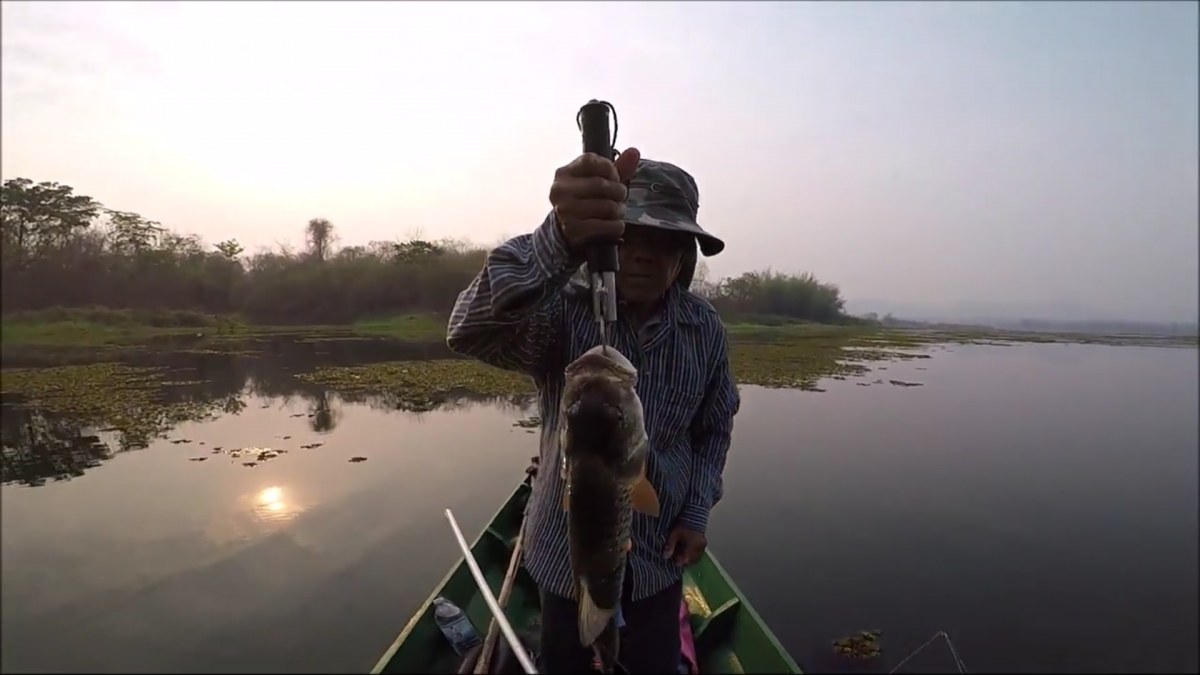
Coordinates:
x,y
958,662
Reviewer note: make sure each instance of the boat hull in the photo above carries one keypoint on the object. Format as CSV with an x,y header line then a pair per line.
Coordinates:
x,y
729,635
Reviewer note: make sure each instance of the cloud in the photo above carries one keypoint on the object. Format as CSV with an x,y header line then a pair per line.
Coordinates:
x,y
54,51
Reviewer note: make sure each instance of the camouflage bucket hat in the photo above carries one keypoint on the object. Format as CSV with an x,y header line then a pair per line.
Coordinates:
x,y
665,196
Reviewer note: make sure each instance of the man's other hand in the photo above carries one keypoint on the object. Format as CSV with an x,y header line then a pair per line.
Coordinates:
x,y
684,547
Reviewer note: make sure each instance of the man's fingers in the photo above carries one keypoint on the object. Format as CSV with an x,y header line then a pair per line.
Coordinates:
x,y
687,553
571,188
592,209
683,554
590,164
672,542
627,164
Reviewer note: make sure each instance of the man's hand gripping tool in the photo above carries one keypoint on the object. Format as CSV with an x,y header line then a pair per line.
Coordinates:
x,y
602,259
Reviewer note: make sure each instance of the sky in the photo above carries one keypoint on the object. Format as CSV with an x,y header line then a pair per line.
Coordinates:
x,y
1034,158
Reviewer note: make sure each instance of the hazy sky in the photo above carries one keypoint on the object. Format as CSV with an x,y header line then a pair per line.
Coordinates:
x,y
1022,154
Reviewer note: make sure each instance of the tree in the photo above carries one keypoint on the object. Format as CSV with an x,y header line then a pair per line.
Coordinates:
x,y
229,248
130,233
38,217
319,237
53,257
416,250
700,281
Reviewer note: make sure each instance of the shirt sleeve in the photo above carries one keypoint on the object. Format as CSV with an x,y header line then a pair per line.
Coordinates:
x,y
711,432
511,315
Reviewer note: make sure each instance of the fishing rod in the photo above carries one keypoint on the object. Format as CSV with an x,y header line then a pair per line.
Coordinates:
x,y
501,620
602,259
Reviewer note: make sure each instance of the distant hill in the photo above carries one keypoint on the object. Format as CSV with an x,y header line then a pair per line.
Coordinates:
x,y
1051,317
1100,326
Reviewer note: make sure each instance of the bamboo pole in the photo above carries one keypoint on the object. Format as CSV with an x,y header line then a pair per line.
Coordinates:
x,y
493,634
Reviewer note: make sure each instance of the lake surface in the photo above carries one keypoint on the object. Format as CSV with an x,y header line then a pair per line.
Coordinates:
x,y
1037,502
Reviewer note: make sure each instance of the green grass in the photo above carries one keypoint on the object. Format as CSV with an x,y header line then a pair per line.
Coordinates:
x,y
108,327
101,326
427,327
80,333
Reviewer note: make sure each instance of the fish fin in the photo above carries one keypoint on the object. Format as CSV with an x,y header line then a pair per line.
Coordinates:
x,y
644,497
563,467
566,472
608,645
602,662
592,619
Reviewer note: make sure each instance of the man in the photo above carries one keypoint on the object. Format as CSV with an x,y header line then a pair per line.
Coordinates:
x,y
524,312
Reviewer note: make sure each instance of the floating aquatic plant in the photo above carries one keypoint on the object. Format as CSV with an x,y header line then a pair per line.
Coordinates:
x,y
125,399
423,385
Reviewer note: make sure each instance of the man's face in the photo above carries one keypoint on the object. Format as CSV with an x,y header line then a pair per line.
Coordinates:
x,y
650,260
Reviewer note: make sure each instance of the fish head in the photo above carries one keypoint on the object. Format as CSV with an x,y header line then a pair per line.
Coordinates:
x,y
607,360
602,413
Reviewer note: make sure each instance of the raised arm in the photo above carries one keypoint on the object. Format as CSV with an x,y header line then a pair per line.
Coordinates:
x,y
511,315
711,431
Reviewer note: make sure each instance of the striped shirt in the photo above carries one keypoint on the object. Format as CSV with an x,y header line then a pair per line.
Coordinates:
x,y
522,313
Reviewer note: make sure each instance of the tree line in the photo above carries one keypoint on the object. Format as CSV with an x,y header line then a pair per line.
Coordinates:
x,y
66,250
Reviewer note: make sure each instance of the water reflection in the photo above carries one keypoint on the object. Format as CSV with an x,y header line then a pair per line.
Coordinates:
x,y
40,445
272,505
323,415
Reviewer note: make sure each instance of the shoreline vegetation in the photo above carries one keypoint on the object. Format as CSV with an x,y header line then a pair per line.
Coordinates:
x,y
90,293
781,354
102,327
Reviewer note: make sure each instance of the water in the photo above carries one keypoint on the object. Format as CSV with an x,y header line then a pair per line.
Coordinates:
x,y
1037,502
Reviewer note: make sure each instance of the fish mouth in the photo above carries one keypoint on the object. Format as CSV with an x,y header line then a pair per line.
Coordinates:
x,y
603,412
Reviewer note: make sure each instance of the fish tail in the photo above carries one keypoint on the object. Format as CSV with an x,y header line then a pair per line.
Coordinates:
x,y
592,618
606,647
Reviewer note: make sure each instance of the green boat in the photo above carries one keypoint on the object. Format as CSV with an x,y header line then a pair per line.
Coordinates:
x,y
729,635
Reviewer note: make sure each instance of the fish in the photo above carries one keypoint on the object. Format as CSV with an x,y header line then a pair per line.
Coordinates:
x,y
603,445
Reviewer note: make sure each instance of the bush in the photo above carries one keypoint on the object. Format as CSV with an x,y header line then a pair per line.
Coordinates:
x,y
67,258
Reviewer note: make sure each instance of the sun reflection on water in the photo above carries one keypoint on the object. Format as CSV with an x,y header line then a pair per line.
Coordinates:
x,y
273,504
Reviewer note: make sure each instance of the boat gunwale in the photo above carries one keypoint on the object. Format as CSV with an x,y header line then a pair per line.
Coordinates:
x,y
754,615
387,656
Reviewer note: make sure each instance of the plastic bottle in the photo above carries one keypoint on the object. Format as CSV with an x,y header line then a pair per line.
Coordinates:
x,y
455,625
